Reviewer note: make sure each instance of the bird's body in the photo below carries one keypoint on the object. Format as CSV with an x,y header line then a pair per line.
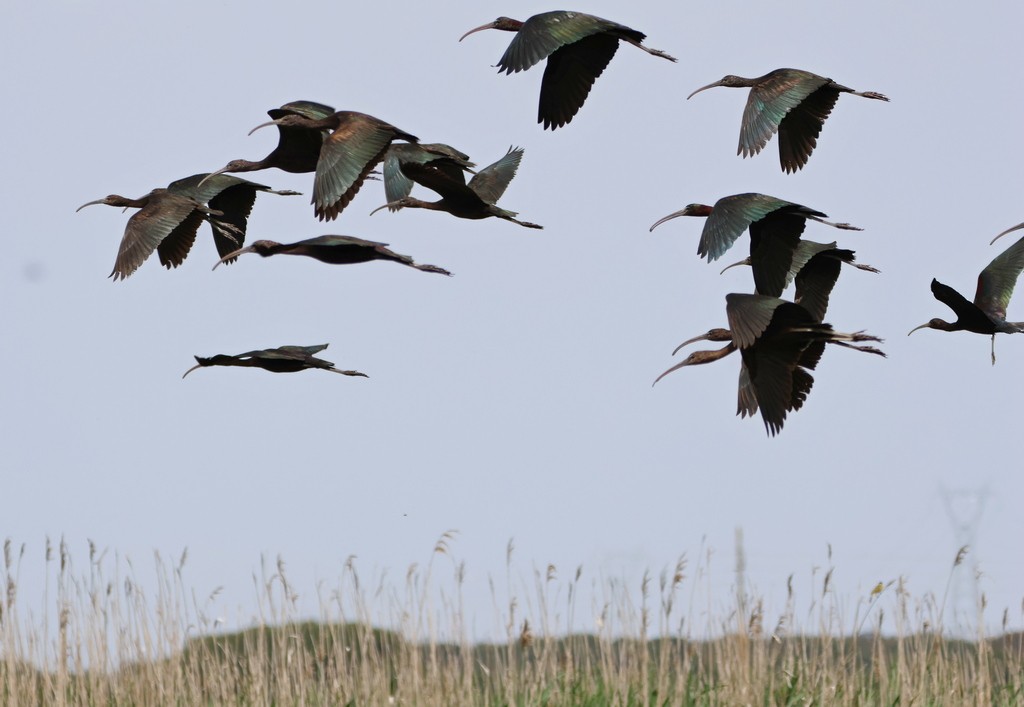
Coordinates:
x,y
355,145
779,342
815,268
298,148
475,200
792,102
987,313
285,359
335,250
577,47
775,228
168,218
444,157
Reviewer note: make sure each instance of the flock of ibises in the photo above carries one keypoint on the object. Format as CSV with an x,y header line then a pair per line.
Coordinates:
x,y
779,341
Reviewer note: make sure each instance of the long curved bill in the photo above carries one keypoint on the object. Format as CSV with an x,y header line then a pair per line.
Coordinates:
x,y
923,326
263,125
232,255
674,214
674,368
198,365
1009,230
390,204
702,337
704,88
103,201
222,170
745,261
489,25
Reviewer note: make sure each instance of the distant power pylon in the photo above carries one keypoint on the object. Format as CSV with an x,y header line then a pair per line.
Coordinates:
x,y
964,507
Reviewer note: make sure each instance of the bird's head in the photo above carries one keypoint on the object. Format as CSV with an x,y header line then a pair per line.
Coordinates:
x,y
232,166
716,334
503,23
690,210
263,248
940,324
110,200
200,363
730,81
699,357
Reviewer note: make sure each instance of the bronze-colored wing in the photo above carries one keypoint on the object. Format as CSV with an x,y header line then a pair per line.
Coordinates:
x,y
347,157
774,96
165,215
997,280
491,182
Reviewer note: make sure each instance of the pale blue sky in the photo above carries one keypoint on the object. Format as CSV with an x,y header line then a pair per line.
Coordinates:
x,y
514,399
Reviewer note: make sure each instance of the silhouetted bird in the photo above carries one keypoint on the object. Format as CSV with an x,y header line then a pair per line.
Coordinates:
x,y
336,250
577,46
356,144
779,342
439,155
793,102
168,219
286,359
475,200
775,229
987,314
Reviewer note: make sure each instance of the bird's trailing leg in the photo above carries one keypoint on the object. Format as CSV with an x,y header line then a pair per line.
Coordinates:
x,y
993,349
523,223
344,373
871,94
842,226
430,268
653,52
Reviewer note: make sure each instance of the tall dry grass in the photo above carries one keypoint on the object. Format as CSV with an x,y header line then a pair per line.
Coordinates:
x,y
101,639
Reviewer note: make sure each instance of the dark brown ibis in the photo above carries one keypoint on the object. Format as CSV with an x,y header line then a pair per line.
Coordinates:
x,y
793,103
445,157
577,46
298,148
356,144
987,314
285,359
779,342
336,250
815,268
475,200
168,219
775,229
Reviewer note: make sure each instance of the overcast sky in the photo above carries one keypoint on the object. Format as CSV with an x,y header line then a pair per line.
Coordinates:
x,y
514,399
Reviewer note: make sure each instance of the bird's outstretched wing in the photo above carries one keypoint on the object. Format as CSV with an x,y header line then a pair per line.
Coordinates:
x,y
491,182
346,158
165,217
769,102
730,216
569,76
545,33
799,129
997,280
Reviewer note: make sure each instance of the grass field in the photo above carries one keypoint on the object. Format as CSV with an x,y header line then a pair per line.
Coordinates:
x,y
102,640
